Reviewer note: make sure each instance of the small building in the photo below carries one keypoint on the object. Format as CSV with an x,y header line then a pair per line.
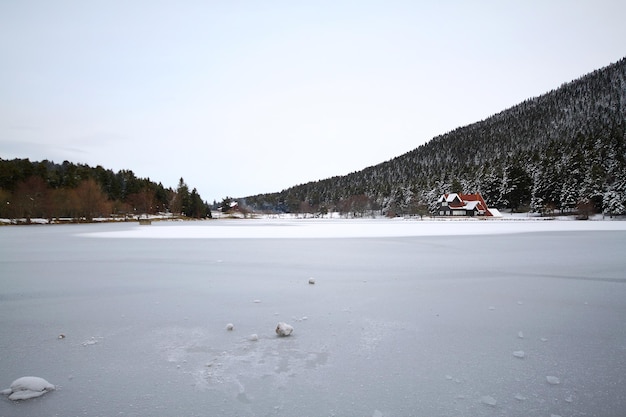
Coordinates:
x,y
454,204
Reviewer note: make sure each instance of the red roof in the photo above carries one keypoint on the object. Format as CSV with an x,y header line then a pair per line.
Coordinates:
x,y
479,198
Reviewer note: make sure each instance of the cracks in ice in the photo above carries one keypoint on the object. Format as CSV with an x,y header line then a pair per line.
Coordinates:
x,y
244,367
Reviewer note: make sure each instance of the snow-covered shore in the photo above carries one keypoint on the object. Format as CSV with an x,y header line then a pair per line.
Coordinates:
x,y
353,228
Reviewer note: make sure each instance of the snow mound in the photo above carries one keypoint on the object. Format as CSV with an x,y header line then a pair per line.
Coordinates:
x,y
28,387
283,329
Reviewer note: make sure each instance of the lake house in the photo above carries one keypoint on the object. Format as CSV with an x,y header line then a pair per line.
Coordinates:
x,y
454,204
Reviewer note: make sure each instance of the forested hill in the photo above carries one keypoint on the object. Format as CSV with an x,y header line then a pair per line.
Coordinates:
x,y
558,151
49,190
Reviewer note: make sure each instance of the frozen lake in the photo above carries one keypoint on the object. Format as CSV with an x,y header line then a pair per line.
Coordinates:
x,y
405,318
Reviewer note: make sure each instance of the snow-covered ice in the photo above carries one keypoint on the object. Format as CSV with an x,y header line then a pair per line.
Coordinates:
x,y
400,326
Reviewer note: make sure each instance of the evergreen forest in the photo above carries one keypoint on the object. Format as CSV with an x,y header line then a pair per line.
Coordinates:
x,y
561,152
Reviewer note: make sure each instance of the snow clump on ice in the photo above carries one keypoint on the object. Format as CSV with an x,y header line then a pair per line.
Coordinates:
x,y
552,380
283,329
28,387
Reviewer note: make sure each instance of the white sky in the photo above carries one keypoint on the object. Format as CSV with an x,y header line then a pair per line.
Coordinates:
x,y
248,97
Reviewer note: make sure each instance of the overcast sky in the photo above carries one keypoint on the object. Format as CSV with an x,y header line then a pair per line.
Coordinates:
x,y
248,97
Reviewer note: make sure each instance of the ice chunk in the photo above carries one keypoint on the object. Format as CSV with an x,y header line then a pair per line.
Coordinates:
x,y
552,380
253,337
520,334
489,400
283,329
28,387
519,354
520,397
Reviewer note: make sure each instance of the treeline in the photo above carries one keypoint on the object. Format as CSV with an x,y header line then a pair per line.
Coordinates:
x,y
76,191
554,153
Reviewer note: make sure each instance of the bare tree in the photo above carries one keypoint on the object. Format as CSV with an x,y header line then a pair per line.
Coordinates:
x,y
92,201
30,197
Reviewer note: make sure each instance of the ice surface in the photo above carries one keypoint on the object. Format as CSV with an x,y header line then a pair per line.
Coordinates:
x,y
488,400
400,326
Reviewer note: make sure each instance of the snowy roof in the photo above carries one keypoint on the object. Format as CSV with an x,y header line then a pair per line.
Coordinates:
x,y
471,205
449,197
